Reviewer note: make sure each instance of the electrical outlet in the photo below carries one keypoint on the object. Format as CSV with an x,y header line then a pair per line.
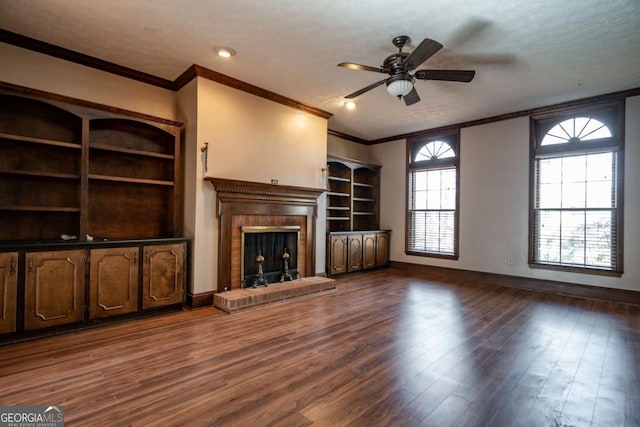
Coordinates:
x,y
274,181
509,260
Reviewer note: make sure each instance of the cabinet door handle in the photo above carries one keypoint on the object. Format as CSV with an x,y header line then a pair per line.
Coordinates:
x,y
135,259
12,268
30,265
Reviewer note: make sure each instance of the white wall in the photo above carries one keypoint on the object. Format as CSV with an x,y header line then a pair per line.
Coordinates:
x,y
494,200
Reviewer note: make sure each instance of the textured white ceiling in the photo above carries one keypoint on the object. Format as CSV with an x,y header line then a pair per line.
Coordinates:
x,y
526,53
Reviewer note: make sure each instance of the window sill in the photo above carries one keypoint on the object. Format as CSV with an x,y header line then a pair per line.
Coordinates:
x,y
433,255
580,270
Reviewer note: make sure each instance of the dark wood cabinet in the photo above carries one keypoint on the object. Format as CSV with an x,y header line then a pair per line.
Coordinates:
x,y
162,282
68,285
54,288
113,286
353,238
369,244
86,190
382,249
8,291
354,257
337,254
357,251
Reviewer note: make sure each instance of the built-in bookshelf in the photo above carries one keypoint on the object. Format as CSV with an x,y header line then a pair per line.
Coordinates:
x,y
352,196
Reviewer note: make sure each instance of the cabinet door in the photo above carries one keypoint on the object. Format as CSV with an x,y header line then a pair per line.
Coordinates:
x,y
8,285
163,275
355,253
114,282
337,254
54,284
382,249
368,251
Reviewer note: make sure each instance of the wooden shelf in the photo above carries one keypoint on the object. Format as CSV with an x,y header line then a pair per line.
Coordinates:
x,y
40,208
337,178
331,193
39,141
130,180
50,151
353,191
40,174
106,147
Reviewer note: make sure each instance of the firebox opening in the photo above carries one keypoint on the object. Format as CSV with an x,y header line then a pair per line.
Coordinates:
x,y
271,242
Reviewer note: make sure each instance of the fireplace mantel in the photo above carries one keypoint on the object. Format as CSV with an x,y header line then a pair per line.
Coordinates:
x,y
231,188
267,202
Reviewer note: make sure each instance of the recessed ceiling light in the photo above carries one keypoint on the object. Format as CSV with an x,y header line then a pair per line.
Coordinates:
x,y
223,51
350,105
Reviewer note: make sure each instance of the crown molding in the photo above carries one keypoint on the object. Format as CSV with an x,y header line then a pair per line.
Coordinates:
x,y
189,74
607,97
82,59
348,137
199,71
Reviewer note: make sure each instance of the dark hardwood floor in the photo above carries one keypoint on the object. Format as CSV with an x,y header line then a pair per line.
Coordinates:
x,y
387,348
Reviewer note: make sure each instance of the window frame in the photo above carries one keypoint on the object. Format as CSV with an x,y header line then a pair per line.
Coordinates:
x,y
611,114
413,146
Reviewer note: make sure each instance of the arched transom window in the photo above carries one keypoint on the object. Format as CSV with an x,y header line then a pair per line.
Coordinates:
x,y
434,150
575,130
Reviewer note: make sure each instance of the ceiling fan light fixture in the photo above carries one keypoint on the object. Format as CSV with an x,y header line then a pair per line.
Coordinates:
x,y
350,105
399,87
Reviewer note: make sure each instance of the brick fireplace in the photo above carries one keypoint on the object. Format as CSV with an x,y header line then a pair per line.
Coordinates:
x,y
243,204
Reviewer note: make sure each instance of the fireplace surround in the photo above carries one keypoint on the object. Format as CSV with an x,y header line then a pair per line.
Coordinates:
x,y
250,204
270,243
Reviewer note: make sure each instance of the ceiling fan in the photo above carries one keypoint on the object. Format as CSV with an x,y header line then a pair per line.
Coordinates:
x,y
400,65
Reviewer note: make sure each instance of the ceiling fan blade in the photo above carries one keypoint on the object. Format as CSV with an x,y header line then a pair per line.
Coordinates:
x,y
366,89
425,49
362,67
412,97
447,75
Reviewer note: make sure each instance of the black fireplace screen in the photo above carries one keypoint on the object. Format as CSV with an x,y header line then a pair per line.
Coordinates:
x,y
271,243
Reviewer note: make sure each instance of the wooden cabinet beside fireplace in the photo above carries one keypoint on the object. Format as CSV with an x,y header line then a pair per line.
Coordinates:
x,y
348,252
49,287
354,241
85,190
8,291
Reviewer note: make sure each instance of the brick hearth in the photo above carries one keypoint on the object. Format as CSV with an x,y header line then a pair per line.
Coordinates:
x,y
243,299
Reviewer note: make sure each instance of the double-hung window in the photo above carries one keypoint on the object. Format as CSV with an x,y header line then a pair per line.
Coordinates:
x,y
576,190
432,182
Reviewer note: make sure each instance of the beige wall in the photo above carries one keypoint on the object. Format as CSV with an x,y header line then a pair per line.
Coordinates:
x,y
341,147
35,70
253,139
494,202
